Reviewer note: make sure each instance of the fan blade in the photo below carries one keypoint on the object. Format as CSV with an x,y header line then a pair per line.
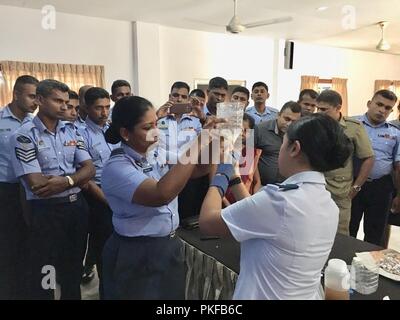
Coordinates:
x,y
268,22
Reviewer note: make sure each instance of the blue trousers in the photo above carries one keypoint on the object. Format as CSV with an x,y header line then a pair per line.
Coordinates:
x,y
149,268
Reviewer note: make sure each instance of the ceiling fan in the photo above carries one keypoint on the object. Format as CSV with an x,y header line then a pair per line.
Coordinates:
x,y
383,45
235,26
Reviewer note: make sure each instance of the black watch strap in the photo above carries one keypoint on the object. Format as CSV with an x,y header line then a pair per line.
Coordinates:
x,y
235,181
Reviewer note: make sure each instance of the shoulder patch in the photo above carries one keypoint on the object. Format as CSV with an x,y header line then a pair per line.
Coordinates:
x,y
25,155
24,139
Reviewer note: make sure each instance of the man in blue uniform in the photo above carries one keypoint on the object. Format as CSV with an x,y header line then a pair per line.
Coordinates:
x,y
374,197
71,114
46,153
82,114
179,132
260,111
100,214
13,229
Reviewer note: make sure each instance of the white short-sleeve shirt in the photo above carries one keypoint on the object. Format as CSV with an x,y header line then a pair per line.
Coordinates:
x,y
286,237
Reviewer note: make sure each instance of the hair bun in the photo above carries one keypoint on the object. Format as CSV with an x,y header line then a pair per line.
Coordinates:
x,y
112,135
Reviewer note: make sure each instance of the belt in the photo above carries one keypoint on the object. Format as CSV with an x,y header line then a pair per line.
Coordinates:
x,y
373,180
68,199
7,185
171,235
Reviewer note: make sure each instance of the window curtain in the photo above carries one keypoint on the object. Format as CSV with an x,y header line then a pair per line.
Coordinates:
x,y
382,85
74,76
340,86
309,82
396,89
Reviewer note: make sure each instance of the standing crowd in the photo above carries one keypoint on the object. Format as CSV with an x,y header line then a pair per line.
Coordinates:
x,y
85,187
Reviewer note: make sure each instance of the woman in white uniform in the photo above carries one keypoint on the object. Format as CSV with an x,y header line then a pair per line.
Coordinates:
x,y
286,231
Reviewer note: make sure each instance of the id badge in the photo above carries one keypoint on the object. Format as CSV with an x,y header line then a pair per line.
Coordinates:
x,y
147,168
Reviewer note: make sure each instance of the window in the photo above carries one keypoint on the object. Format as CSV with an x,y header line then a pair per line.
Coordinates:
x,y
324,84
73,75
202,84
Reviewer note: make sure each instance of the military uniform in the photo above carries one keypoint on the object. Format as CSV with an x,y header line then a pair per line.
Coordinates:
x,y
286,233
339,181
58,227
373,202
142,259
178,137
268,114
100,214
13,230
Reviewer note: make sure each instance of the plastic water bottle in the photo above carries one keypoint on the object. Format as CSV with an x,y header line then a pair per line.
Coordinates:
x,y
364,277
337,280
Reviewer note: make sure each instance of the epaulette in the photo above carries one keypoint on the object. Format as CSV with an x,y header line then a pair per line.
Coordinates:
x,y
286,187
117,151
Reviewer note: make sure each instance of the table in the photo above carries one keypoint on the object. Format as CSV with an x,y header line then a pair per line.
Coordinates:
x,y
213,265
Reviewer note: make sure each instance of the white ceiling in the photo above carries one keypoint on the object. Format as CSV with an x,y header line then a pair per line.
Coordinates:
x,y
308,25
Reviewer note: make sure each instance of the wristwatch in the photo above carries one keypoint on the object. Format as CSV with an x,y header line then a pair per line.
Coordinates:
x,y
71,182
357,188
235,181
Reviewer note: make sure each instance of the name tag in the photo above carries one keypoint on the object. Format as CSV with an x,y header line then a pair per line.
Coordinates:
x,y
145,166
5,130
71,143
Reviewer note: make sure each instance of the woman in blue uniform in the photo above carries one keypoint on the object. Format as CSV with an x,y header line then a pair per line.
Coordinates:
x,y
143,259
286,231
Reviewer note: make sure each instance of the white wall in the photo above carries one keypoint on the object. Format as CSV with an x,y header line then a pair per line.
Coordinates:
x,y
76,40
152,57
361,68
147,61
187,55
